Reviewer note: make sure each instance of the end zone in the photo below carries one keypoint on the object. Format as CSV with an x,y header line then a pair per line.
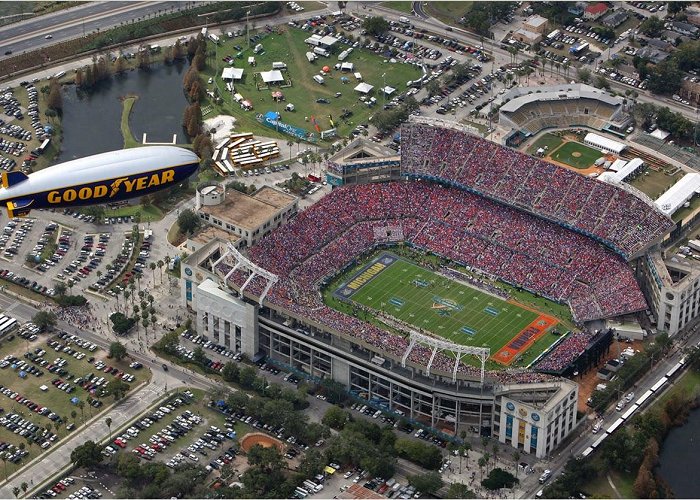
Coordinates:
x,y
523,340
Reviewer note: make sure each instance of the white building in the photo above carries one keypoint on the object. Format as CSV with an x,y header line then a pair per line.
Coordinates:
x,y
604,144
672,287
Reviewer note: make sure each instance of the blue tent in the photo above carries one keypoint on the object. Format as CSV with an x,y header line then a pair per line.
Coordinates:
x,y
22,374
74,400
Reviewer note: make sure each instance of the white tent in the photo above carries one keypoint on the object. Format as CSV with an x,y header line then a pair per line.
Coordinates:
x,y
364,88
273,76
347,66
388,90
660,134
232,73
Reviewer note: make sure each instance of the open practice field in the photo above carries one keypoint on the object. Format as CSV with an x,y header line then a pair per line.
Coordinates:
x,y
576,155
445,307
288,47
548,142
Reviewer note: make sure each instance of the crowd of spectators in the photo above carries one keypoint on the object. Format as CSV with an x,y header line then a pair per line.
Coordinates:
x,y
501,241
621,220
565,352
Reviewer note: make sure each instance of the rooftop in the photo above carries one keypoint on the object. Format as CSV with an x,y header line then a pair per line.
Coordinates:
x,y
211,233
536,21
249,212
596,8
679,193
520,96
361,149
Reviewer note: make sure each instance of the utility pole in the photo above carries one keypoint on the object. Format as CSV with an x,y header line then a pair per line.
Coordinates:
x,y
247,27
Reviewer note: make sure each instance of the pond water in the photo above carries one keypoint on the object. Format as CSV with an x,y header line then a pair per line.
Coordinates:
x,y
91,121
679,458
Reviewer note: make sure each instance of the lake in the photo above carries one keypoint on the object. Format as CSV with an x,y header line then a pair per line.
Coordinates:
x,y
91,121
679,458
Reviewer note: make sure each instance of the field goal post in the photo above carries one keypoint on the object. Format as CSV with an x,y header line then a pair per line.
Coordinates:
x,y
435,345
233,256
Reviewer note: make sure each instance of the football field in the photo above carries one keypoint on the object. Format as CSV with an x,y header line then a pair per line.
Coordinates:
x,y
445,307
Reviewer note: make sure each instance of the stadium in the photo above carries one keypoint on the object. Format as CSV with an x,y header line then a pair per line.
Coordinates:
x,y
464,224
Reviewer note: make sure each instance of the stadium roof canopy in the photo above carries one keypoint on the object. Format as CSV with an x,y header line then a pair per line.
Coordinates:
x,y
680,192
364,88
232,74
272,76
620,174
519,96
604,143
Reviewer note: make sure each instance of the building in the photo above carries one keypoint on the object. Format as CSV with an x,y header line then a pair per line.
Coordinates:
x,y
527,36
672,287
604,144
686,29
362,161
536,24
249,217
576,8
621,170
540,419
652,54
615,19
209,233
595,11
679,194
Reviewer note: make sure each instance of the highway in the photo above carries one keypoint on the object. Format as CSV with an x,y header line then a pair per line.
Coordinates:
x,y
75,22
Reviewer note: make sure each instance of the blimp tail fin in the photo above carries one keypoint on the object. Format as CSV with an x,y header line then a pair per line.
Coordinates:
x,y
12,178
19,208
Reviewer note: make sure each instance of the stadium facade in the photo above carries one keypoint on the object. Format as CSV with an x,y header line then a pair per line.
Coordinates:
x,y
267,303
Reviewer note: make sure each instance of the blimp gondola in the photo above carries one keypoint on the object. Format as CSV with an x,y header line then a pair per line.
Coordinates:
x,y
102,178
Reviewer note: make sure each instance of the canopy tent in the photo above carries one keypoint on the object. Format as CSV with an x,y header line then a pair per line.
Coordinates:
x,y
232,74
364,88
347,66
272,76
388,90
278,96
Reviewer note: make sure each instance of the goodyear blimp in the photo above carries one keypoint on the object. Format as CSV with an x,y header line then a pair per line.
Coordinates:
x,y
102,178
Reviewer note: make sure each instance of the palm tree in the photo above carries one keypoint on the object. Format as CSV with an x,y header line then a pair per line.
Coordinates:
x,y
516,459
138,280
152,266
125,293
24,487
132,288
467,448
160,268
290,144
73,414
487,459
150,300
99,273
81,405
482,464
16,491
153,322
108,423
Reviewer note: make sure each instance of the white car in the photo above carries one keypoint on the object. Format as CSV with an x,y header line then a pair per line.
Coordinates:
x,y
48,37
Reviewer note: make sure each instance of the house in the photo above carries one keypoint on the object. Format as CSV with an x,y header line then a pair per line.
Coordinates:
x,y
536,24
615,19
595,11
684,28
576,8
659,44
652,54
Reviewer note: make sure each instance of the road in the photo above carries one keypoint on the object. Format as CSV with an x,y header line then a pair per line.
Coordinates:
x,y
75,22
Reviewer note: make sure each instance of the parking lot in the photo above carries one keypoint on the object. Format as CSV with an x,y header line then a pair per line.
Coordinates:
x,y
44,379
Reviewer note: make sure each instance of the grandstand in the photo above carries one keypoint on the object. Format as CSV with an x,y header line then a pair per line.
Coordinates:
x,y
530,109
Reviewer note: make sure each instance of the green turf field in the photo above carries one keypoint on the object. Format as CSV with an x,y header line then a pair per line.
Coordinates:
x,y
577,155
551,142
440,305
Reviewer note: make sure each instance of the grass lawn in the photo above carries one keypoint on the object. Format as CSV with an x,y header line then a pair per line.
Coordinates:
x,y
289,47
576,155
683,212
147,213
129,140
653,183
448,12
55,399
449,309
551,142
406,7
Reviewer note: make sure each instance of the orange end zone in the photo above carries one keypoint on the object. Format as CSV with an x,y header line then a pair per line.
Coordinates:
x,y
524,339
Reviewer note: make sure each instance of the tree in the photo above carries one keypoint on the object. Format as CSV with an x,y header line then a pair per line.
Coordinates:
x,y
44,320
460,490
482,463
427,456
247,376
312,464
499,478
117,350
427,483
116,388
188,221
120,323
24,487
16,491
60,289
199,356
433,88
335,418
108,423
55,99
652,26
87,454
230,372
376,25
